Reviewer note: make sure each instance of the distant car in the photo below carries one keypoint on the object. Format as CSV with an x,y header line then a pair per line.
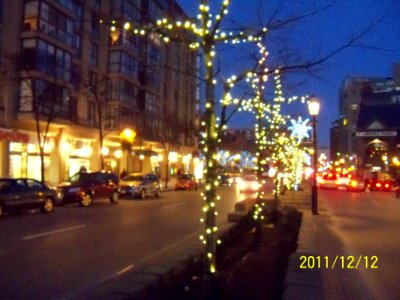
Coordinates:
x,y
329,181
23,193
343,180
380,184
186,182
225,179
84,187
140,185
356,184
248,183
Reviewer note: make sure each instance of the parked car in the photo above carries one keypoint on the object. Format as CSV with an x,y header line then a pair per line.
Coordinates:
x,y
140,185
23,193
356,184
186,182
84,187
329,181
248,183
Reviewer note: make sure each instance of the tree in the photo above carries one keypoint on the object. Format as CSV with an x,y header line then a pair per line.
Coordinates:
x,y
206,37
170,137
45,99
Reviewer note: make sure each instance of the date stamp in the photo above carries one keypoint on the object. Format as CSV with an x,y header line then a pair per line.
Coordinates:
x,y
339,262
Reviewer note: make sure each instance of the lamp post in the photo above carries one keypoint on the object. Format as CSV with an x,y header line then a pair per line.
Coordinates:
x,y
127,138
313,109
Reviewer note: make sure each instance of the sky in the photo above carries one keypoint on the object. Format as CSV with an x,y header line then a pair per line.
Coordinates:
x,y
318,35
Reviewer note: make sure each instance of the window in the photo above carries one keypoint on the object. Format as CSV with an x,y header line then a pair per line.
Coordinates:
x,y
121,62
95,25
49,98
396,99
57,24
152,103
34,184
122,90
31,15
94,54
46,58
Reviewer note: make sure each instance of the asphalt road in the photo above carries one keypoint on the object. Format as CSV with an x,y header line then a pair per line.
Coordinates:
x,y
73,249
367,225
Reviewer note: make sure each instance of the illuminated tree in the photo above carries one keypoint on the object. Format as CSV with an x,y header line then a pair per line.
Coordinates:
x,y
205,36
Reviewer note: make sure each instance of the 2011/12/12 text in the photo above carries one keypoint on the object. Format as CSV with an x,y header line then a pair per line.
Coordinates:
x,y
339,261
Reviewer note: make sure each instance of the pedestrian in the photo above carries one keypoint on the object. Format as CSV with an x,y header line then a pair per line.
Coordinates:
x,y
123,174
82,169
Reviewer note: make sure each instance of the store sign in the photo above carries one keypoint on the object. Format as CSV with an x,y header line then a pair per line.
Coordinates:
x,y
375,133
12,135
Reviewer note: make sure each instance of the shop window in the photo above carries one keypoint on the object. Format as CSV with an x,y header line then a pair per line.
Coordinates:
x,y
31,16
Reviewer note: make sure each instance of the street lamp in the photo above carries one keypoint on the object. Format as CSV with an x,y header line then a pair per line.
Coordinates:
x,y
313,109
127,138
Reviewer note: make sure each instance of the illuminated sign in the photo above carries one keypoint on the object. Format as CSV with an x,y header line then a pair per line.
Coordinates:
x,y
375,133
13,136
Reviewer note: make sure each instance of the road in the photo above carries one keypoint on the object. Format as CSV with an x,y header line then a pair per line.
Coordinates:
x,y
73,249
368,225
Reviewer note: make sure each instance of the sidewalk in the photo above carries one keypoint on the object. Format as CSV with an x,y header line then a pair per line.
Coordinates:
x,y
312,273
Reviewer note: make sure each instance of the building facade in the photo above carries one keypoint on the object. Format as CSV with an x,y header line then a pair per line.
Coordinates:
x,y
74,76
366,106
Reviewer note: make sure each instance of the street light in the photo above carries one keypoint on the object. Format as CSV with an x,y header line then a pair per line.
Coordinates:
x,y
313,109
127,138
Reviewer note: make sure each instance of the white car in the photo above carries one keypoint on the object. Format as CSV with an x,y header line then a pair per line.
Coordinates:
x,y
248,183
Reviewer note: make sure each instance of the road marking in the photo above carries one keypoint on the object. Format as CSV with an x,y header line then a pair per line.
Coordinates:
x,y
33,236
124,270
173,205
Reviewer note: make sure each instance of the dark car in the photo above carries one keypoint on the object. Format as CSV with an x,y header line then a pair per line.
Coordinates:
x,y
186,182
379,184
356,184
84,187
24,193
140,185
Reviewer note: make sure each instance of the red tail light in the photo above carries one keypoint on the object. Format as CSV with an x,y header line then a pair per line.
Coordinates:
x,y
378,184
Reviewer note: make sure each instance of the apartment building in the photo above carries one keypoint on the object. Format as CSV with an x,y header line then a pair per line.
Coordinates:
x,y
74,71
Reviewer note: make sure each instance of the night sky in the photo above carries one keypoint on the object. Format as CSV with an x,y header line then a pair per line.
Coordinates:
x,y
316,36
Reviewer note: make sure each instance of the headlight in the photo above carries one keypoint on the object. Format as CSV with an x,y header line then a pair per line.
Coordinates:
x,y
254,185
59,193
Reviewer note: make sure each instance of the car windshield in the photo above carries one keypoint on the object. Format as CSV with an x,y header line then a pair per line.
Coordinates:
x,y
80,177
329,177
185,176
5,185
133,178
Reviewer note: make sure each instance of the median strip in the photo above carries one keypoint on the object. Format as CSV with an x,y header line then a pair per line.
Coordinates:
x,y
33,236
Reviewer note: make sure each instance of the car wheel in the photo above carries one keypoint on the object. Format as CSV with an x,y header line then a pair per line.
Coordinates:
x,y
114,197
157,193
86,200
47,205
142,194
